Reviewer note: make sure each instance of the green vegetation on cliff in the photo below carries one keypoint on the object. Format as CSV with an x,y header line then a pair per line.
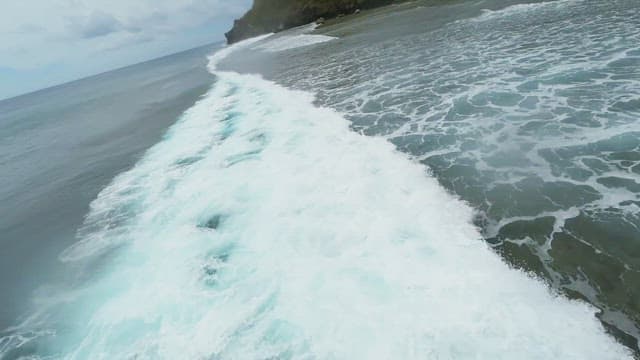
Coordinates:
x,y
275,15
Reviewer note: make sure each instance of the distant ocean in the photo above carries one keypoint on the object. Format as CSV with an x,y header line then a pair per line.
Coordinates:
x,y
420,181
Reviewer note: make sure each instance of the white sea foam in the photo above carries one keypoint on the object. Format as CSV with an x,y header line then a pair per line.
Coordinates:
x,y
282,43
262,227
521,9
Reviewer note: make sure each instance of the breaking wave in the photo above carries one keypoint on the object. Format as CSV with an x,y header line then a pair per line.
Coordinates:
x,y
261,227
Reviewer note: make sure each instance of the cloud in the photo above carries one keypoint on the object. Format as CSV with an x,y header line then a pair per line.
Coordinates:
x,y
89,36
97,24
36,32
28,28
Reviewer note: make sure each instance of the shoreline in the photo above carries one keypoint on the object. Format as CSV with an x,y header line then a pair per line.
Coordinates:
x,y
262,19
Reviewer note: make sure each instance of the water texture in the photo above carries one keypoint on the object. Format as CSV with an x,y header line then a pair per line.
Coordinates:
x,y
529,113
267,225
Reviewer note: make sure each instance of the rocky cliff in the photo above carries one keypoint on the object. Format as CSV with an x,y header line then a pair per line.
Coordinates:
x,y
275,15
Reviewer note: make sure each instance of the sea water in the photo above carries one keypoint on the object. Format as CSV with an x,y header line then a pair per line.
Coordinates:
x,y
267,225
527,112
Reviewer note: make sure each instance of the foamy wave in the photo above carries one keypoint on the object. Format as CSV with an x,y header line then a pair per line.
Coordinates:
x,y
262,227
215,58
292,41
520,9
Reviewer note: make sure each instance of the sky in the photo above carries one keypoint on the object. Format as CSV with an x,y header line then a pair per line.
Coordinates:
x,y
49,42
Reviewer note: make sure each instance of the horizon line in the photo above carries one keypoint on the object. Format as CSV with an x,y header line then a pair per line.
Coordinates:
x,y
13,97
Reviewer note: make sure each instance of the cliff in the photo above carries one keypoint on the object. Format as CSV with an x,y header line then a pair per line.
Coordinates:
x,y
275,15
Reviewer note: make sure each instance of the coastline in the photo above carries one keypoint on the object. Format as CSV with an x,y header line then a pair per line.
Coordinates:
x,y
269,16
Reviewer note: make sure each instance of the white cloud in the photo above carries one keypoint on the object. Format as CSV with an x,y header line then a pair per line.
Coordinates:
x,y
34,33
97,24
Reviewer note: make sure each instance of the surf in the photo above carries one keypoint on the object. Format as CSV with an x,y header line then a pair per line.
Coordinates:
x,y
261,226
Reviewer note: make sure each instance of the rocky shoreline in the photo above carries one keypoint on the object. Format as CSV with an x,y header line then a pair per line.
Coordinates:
x,y
268,16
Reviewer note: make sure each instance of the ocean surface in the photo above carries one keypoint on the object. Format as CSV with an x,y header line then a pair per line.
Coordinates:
x,y
59,148
439,180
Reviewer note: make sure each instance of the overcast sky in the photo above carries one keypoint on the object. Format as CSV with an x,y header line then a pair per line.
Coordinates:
x,y
47,42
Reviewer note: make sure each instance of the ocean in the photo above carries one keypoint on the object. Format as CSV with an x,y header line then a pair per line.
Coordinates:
x,y
59,148
440,180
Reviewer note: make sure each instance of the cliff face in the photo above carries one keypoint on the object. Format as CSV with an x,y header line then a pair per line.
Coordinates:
x,y
275,15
